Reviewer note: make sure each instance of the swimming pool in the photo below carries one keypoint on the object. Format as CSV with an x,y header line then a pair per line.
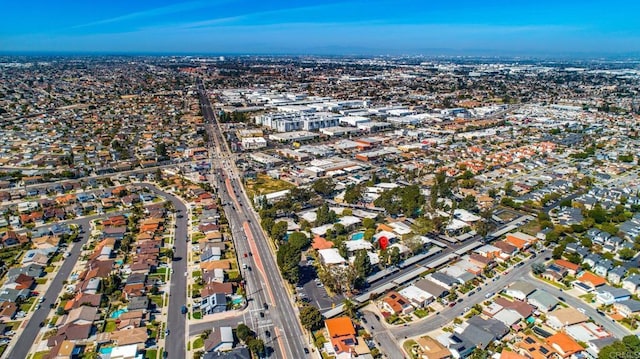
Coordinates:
x,y
118,313
106,350
357,236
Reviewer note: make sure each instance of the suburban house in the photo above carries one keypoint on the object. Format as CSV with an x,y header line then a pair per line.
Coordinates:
x,y
220,339
519,290
430,348
627,308
542,300
342,334
632,283
533,348
436,290
606,294
615,275
395,303
416,296
214,303
563,317
564,345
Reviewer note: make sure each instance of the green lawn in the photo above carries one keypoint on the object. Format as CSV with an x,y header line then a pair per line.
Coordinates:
x,y
408,344
319,339
151,354
589,298
554,283
421,313
41,280
197,315
198,343
264,184
39,355
111,326
157,299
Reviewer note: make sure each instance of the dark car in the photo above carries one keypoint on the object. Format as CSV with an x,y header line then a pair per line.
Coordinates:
x,y
179,216
183,310
41,324
265,306
267,333
306,351
261,314
460,300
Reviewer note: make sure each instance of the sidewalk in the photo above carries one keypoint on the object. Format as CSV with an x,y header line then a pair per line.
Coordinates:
x,y
219,316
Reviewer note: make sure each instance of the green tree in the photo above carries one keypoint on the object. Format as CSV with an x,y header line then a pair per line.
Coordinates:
x,y
558,251
598,213
349,308
469,203
299,240
161,149
267,223
279,230
402,200
324,215
538,268
353,194
311,318
628,347
256,346
394,256
626,253
362,263
423,225
384,257
339,229
243,332
369,223
324,186
508,189
368,234
288,258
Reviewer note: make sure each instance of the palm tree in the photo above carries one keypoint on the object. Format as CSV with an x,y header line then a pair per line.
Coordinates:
x,y
349,308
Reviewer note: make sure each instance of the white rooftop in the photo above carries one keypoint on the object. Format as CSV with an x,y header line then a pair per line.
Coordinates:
x,y
331,256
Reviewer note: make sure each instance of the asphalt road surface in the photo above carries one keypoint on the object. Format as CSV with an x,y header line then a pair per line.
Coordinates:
x,y
29,334
265,285
176,342
607,323
390,339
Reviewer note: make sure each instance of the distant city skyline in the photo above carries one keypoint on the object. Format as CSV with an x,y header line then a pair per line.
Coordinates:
x,y
375,27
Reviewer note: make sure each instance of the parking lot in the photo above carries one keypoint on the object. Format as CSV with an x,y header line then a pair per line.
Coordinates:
x,y
312,291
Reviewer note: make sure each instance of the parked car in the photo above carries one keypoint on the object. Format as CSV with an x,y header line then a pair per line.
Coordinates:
x,y
183,310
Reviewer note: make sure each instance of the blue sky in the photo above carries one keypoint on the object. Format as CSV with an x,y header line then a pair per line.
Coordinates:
x,y
515,27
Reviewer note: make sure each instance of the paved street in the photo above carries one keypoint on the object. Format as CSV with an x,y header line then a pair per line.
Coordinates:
x,y
391,338
265,285
176,342
609,325
382,336
30,332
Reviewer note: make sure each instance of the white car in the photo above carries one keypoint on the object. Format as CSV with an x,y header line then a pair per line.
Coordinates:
x,y
581,310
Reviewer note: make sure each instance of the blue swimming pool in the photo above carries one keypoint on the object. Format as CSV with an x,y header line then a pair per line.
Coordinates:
x,y
118,313
106,350
357,236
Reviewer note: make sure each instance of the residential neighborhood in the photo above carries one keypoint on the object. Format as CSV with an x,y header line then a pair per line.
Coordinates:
x,y
276,207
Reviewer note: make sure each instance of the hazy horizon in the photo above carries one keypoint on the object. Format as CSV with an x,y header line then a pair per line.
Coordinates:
x,y
380,27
